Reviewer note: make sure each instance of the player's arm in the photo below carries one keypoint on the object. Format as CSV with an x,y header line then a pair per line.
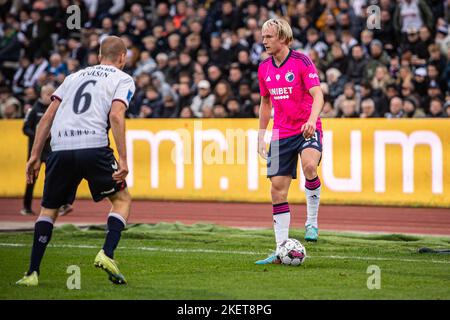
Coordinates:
x,y
42,134
117,121
309,128
265,111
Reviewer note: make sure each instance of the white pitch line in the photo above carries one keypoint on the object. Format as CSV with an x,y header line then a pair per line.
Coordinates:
x,y
224,252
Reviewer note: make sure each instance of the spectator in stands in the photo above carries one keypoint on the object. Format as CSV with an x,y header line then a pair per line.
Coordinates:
x,y
35,70
245,65
152,105
336,59
29,98
420,81
348,41
57,68
219,111
222,92
203,99
395,108
234,108
412,14
378,58
387,34
9,105
357,64
381,78
217,54
411,108
18,84
9,45
158,81
442,38
145,64
314,43
436,108
186,113
368,109
38,35
366,39
433,91
170,108
435,56
349,109
245,99
328,110
434,75
214,75
186,64
193,44
235,78
348,94
185,95
447,108
336,83
207,112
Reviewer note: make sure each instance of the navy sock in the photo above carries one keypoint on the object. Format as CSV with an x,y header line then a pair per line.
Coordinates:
x,y
42,235
116,224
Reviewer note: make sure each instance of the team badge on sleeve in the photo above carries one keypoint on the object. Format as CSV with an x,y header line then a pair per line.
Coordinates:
x,y
129,95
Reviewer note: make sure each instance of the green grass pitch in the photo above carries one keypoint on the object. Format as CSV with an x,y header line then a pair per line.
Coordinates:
x,y
175,261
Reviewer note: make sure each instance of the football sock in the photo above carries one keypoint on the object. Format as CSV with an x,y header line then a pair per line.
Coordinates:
x,y
312,190
42,234
116,223
281,221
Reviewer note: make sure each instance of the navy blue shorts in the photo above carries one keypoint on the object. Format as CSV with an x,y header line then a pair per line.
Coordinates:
x,y
65,170
283,154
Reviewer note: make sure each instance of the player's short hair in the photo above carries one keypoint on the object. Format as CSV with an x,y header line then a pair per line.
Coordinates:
x,y
284,31
112,47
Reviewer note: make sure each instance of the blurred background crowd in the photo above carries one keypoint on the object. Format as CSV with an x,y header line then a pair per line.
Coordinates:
x,y
199,59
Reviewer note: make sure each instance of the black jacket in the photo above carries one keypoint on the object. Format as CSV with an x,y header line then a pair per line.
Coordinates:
x,y
29,127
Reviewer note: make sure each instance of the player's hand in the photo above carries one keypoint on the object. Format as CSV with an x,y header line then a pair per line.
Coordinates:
x,y
262,149
32,169
308,129
121,172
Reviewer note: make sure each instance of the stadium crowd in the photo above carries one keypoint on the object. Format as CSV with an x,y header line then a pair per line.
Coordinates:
x,y
199,59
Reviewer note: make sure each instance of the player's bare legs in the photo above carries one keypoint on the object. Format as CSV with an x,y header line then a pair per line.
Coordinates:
x,y
281,213
310,160
121,203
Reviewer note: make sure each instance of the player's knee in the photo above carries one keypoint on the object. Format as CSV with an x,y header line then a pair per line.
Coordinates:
x,y
310,170
278,194
125,197
122,198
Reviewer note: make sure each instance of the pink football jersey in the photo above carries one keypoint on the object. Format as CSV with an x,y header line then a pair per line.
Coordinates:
x,y
288,86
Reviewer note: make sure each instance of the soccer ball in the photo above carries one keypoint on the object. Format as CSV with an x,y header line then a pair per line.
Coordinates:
x,y
291,252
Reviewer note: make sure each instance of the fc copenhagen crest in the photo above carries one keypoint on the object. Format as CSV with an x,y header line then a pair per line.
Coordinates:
x,y
289,76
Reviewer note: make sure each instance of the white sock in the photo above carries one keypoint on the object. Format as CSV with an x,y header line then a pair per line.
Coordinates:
x,y
312,206
281,221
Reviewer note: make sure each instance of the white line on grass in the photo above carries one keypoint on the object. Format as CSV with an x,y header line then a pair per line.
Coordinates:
x,y
224,252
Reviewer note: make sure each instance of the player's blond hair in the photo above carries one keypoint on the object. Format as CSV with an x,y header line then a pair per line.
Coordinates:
x,y
283,29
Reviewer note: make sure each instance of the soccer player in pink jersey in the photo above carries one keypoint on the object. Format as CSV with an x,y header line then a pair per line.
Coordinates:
x,y
289,83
